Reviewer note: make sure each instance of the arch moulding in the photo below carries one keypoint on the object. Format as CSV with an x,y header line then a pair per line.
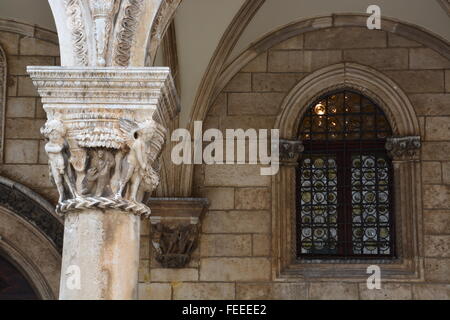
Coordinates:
x,y
408,263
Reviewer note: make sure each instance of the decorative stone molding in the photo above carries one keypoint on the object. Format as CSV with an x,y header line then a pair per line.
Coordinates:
x,y
99,33
290,151
32,208
103,136
407,179
175,225
403,148
3,87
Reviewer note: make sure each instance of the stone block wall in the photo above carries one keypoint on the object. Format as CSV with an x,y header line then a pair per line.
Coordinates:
x,y
235,255
24,158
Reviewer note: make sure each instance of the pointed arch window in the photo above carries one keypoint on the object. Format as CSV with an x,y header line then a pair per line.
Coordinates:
x,y
345,180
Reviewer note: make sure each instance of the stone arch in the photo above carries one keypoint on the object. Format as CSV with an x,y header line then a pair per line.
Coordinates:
x,y
31,237
389,25
3,86
368,81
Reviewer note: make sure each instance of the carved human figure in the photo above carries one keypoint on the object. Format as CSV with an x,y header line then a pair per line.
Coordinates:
x,y
58,164
137,166
100,170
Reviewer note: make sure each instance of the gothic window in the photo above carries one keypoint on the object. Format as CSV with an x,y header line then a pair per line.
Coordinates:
x,y
344,180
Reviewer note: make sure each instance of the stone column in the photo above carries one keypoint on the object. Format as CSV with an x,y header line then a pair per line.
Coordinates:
x,y
103,141
108,116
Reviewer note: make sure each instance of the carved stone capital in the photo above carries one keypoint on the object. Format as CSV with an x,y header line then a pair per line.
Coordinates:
x,y
175,229
104,135
290,151
403,148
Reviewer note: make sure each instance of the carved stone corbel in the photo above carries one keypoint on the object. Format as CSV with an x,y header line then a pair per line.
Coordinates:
x,y
404,148
175,229
290,151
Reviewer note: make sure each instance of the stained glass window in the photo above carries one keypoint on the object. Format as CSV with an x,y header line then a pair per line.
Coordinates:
x,y
344,180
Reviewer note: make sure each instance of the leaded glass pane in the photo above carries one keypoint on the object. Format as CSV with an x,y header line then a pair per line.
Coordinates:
x,y
318,203
370,205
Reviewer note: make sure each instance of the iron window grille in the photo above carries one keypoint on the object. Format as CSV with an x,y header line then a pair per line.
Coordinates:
x,y
344,180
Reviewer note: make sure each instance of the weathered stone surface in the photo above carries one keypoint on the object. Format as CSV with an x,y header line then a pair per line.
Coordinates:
x,y
235,269
20,107
379,58
398,41
25,87
333,291
424,81
15,128
431,291
43,157
424,58
259,64
144,270
437,151
353,37
271,291
18,64
21,151
155,291
438,128
437,246
436,270
204,291
447,80
437,222
231,175
237,222
37,47
388,291
253,198
275,82
446,172
293,43
219,198
431,104
431,172
33,176
9,42
247,122
225,245
40,112
173,275
219,107
314,60
241,82
436,197
12,86
144,248
261,245
254,103
286,61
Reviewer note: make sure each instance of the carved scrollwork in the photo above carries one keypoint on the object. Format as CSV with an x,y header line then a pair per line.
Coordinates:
x,y
126,33
77,26
403,148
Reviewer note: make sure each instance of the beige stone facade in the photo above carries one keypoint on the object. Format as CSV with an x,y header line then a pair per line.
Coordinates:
x,y
245,238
